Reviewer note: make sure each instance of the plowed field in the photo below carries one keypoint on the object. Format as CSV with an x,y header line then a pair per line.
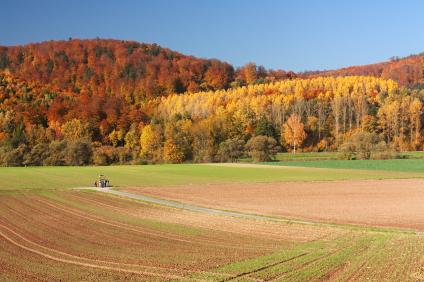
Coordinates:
x,y
50,232
390,203
121,239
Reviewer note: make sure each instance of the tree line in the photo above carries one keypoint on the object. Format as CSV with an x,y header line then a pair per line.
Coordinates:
x,y
357,115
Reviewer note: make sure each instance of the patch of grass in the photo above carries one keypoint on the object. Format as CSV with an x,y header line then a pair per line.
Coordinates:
x,y
357,256
395,165
301,156
309,156
289,261
41,178
321,156
412,155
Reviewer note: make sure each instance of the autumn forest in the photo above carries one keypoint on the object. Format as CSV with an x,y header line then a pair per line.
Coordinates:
x,y
101,102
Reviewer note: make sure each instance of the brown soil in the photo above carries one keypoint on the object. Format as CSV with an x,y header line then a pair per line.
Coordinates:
x,y
274,231
73,260
390,203
109,239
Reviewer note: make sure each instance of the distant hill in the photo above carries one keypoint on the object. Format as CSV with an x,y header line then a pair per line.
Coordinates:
x,y
143,71
114,67
408,71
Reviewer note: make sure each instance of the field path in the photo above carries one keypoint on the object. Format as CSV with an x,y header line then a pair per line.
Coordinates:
x,y
395,203
196,208
189,207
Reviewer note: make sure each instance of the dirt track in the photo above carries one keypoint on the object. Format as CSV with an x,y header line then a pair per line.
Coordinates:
x,y
391,203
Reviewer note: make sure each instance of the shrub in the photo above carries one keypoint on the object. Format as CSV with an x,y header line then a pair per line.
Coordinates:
x,y
56,155
262,148
78,153
203,148
106,155
203,151
230,150
37,155
347,151
365,146
124,155
383,151
100,157
12,157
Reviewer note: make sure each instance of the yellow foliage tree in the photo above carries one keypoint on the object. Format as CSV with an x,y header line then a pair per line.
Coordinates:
x,y
116,137
150,142
415,110
131,138
294,133
171,153
75,129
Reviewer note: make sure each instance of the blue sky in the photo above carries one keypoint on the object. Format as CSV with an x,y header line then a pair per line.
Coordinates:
x,y
296,35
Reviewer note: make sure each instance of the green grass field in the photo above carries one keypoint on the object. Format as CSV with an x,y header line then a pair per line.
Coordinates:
x,y
326,156
301,156
306,156
316,156
24,178
395,165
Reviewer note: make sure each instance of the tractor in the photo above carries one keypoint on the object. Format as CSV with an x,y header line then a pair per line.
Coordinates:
x,y
103,182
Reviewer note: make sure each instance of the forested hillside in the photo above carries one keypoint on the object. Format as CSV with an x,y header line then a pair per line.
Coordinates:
x,y
115,68
136,71
407,71
98,101
315,114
